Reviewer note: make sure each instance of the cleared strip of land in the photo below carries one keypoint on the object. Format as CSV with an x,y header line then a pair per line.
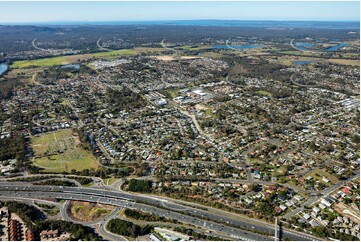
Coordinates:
x,y
69,59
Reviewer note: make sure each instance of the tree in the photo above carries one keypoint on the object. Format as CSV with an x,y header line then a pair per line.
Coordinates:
x,y
139,185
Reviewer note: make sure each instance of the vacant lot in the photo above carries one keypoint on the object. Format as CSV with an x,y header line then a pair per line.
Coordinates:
x,y
264,93
345,62
59,151
85,211
110,181
318,174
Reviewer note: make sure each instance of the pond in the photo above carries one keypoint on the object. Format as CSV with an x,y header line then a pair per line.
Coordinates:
x,y
334,48
304,62
3,68
75,66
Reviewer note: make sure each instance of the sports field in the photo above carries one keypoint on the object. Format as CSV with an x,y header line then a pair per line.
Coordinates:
x,y
60,151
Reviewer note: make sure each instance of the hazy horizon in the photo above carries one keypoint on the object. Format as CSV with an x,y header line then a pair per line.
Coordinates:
x,y
48,12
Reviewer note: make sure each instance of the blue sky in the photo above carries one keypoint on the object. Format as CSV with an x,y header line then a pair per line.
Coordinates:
x,y
120,11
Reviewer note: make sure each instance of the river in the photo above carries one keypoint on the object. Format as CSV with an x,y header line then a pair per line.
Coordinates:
x,y
3,68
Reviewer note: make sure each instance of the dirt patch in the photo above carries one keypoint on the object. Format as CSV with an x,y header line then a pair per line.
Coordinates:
x,y
348,212
86,211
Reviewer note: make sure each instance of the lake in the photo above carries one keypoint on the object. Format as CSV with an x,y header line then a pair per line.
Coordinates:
x,y
75,66
239,47
3,68
305,62
334,48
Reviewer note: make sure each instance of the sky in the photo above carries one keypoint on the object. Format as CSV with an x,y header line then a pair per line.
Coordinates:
x,y
20,12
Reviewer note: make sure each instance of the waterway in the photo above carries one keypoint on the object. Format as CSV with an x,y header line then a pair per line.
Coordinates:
x,y
335,48
305,62
75,66
3,68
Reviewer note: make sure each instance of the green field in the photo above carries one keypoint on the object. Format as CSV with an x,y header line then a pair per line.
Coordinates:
x,y
61,60
59,151
114,54
317,174
40,62
187,47
252,160
264,93
110,181
170,93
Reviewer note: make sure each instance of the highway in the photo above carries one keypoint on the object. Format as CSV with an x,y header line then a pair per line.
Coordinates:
x,y
236,228
101,230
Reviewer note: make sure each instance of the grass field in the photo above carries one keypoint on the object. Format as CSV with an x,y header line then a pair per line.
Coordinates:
x,y
170,93
45,62
69,59
50,210
345,62
301,53
211,54
62,60
110,181
289,59
60,151
113,54
85,211
264,93
317,174
252,160
187,47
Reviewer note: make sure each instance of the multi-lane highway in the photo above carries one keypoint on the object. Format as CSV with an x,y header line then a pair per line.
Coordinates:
x,y
237,228
226,230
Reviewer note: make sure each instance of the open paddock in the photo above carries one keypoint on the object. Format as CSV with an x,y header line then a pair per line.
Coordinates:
x,y
58,151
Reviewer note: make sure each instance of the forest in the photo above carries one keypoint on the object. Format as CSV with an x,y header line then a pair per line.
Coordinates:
x,y
124,99
84,37
126,228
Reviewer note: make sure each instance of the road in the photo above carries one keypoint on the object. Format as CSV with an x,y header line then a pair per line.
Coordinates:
x,y
9,179
198,127
101,47
301,85
36,47
102,230
166,47
99,225
237,228
314,199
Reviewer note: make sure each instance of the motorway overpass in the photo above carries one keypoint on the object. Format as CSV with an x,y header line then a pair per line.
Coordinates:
x,y
238,229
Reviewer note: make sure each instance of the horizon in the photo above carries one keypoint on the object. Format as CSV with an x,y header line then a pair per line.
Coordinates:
x,y
171,20
49,12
